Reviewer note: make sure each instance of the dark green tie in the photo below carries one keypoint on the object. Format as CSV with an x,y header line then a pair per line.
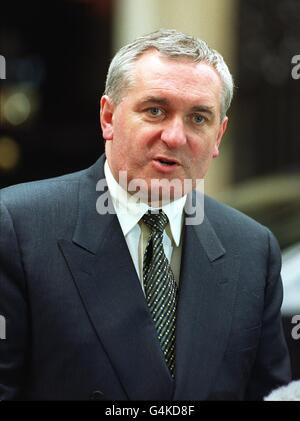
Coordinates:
x,y
160,286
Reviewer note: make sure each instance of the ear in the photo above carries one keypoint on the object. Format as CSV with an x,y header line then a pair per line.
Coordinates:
x,y
222,129
106,116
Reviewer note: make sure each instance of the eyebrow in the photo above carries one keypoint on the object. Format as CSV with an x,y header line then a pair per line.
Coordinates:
x,y
157,100
164,101
204,109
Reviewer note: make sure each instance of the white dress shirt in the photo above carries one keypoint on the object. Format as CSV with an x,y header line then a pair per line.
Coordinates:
x,y
137,233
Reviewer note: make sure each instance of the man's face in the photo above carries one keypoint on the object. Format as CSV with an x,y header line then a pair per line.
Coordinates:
x,y
167,125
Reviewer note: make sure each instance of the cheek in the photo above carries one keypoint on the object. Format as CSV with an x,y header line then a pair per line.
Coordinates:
x,y
123,130
120,131
202,150
205,144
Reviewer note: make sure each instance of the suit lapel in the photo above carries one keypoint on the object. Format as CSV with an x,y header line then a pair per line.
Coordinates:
x,y
104,274
207,291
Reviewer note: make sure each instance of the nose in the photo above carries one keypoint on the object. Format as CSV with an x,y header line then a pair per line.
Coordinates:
x,y
173,133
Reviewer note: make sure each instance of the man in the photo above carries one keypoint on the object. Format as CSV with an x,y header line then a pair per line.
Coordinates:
x,y
123,299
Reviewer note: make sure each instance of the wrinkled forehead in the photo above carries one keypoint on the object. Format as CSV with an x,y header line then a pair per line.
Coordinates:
x,y
154,72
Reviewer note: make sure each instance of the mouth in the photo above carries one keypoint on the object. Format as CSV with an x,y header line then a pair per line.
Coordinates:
x,y
165,165
166,161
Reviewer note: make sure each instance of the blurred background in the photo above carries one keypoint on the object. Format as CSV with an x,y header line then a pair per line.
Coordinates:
x,y
56,56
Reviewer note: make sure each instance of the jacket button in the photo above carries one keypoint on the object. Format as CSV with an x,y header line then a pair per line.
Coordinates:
x,y
97,395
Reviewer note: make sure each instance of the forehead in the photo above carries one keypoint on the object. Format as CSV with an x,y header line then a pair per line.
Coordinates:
x,y
180,78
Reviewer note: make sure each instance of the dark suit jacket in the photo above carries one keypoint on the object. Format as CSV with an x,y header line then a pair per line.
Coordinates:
x,y
77,323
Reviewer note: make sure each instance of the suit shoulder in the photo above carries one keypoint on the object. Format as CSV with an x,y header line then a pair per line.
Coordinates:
x,y
28,192
220,213
233,226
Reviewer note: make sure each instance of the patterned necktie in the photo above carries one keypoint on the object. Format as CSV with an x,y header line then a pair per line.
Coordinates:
x,y
160,287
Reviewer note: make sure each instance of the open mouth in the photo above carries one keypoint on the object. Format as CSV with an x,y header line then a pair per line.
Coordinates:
x,y
166,161
170,163
165,165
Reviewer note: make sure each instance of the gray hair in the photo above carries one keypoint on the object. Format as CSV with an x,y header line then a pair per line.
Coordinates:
x,y
172,44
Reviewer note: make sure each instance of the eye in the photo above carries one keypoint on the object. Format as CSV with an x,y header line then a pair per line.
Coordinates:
x,y
154,111
198,119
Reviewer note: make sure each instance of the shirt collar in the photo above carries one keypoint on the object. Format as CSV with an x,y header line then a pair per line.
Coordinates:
x,y
129,212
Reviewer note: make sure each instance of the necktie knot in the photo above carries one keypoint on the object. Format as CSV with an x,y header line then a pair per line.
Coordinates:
x,y
156,221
